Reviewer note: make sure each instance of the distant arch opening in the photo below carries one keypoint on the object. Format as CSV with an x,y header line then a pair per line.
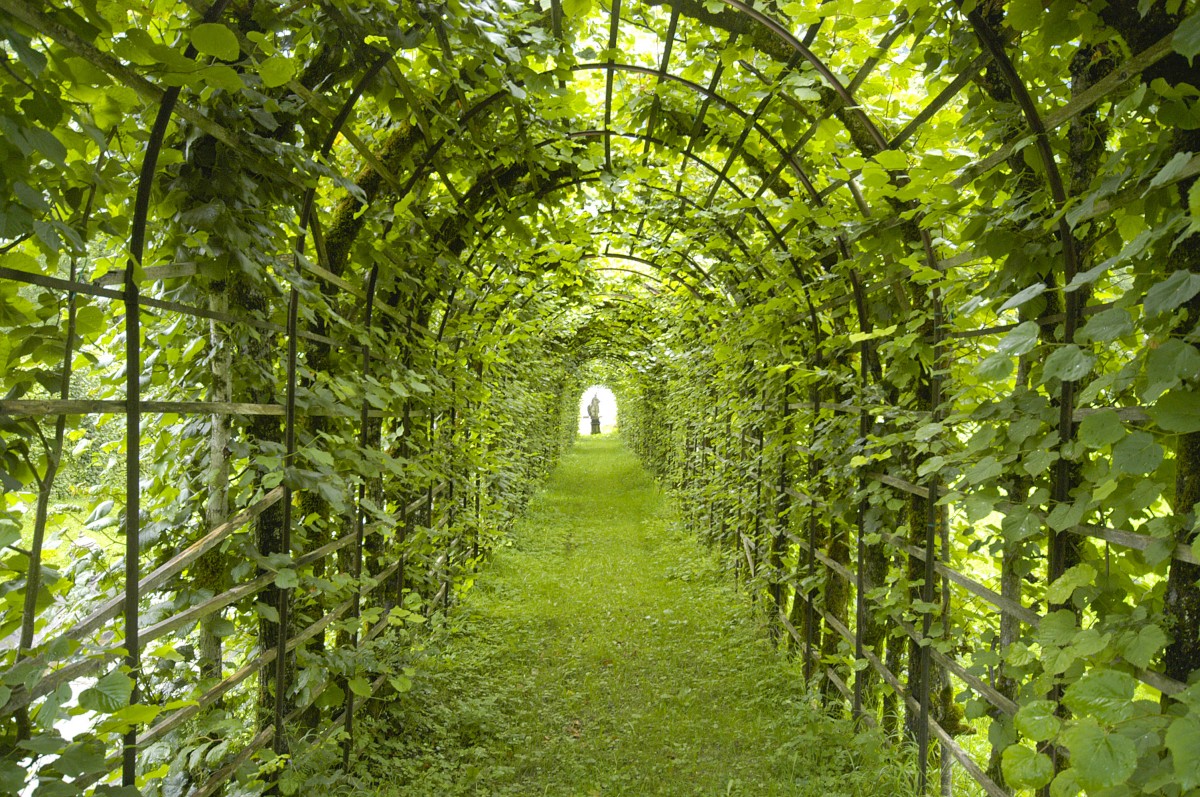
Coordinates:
x,y
606,409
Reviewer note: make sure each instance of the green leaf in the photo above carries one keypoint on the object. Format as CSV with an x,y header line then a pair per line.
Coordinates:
x,y
287,579
1137,453
1035,462
214,39
1069,363
1170,363
986,468
1038,721
276,71
1144,646
859,337
1025,768
577,8
332,696
1186,40
1106,325
1183,740
1020,340
1024,295
994,368
1178,411
1170,293
1065,784
1099,759
360,686
1106,695
1172,170
109,694
1101,429
1065,585
1056,628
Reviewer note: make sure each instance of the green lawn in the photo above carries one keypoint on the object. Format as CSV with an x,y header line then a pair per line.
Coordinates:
x,y
603,654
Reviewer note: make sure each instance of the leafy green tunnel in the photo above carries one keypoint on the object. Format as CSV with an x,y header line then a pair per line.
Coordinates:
x,y
899,299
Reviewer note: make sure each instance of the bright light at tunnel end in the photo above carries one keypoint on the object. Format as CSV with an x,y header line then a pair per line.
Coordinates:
x,y
608,409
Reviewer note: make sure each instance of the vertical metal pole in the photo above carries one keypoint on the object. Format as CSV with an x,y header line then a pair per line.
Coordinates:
x,y
931,522
133,398
279,743
133,451
860,603
810,618
357,564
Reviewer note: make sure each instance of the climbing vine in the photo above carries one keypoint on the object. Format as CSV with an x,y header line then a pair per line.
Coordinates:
x,y
901,301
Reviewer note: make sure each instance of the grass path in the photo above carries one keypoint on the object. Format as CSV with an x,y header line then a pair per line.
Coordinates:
x,y
603,654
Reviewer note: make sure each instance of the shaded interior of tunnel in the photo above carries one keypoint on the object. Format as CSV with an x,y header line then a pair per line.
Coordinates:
x,y
901,302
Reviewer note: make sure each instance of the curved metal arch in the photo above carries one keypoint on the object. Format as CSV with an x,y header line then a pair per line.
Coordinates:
x,y
422,169
685,257
781,32
721,178
734,237
586,256
785,155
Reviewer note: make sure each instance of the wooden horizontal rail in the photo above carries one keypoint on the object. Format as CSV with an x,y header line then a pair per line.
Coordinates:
x,y
44,407
1009,607
109,609
260,660
51,681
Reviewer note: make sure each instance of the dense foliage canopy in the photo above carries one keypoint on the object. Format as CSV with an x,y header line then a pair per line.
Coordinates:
x,y
901,298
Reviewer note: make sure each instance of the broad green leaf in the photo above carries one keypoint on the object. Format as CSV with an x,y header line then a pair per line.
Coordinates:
x,y
995,368
1020,340
81,758
360,686
1038,721
287,579
1178,411
1068,363
986,468
1106,695
332,696
1024,295
1035,462
1144,646
212,38
1025,768
891,159
1065,585
276,71
109,694
1170,293
1137,453
1183,740
577,8
1186,40
1168,364
859,337
1106,325
1057,628
1101,429
1065,784
1099,759
1172,170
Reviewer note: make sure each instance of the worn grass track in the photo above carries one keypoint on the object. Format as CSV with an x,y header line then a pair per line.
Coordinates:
x,y
603,654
